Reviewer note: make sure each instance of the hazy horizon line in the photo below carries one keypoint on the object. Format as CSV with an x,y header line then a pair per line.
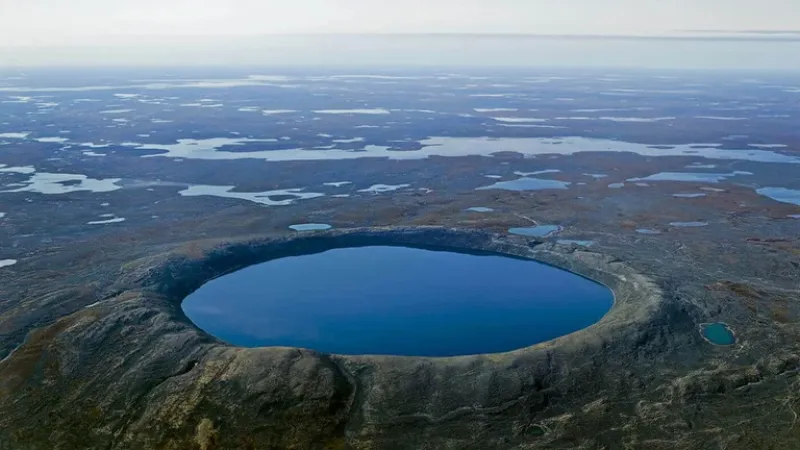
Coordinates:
x,y
756,32
688,50
701,35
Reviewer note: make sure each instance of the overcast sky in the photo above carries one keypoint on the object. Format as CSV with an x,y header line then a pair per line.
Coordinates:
x,y
24,21
57,24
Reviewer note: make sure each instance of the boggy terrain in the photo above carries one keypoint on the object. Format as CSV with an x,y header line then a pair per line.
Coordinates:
x,y
118,199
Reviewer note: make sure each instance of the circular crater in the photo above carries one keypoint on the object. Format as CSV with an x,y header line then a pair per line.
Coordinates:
x,y
361,297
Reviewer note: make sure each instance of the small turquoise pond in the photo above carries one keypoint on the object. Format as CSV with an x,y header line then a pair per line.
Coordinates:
x,y
537,231
480,209
718,333
397,301
310,227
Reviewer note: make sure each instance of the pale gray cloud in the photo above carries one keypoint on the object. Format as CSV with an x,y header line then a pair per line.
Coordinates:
x,y
29,21
196,31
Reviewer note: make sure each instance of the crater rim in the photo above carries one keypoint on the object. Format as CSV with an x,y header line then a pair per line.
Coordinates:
x,y
180,274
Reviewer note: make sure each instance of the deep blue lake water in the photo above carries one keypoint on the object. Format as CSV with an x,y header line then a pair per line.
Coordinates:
x,y
398,301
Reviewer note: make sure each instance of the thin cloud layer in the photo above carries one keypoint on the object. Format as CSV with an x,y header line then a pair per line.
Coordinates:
x,y
135,32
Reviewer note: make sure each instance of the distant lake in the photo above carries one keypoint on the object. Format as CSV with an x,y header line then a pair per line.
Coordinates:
x,y
398,301
535,231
